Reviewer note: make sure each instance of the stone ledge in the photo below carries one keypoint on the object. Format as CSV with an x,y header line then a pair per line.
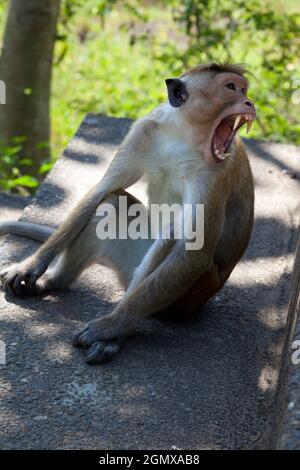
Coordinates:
x,y
211,383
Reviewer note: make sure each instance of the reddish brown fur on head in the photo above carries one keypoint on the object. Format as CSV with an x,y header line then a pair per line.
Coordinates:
x,y
215,68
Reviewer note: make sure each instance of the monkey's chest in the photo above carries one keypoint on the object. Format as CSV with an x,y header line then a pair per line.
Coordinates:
x,y
166,181
170,170
165,187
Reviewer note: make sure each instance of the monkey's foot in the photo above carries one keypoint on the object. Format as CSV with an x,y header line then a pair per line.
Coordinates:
x,y
20,279
102,338
98,352
102,351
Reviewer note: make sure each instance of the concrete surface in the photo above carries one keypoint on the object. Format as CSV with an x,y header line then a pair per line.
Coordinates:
x,y
210,383
11,206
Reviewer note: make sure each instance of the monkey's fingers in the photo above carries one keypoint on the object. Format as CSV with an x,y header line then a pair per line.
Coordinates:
x,y
21,285
3,274
6,271
9,284
16,281
102,351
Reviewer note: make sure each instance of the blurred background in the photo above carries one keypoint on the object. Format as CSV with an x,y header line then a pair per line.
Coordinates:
x,y
63,58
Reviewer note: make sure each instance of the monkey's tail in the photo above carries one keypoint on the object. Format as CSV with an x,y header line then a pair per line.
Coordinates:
x,y
25,229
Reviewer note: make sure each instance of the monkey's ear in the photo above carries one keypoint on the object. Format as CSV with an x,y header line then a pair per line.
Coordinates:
x,y
177,92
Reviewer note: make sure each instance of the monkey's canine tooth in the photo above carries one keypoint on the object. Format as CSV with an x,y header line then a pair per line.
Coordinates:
x,y
249,125
237,121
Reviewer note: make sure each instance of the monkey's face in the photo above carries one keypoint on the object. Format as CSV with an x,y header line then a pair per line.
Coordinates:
x,y
215,107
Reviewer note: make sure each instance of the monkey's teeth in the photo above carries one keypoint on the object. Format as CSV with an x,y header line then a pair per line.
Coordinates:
x,y
237,121
249,125
219,154
227,154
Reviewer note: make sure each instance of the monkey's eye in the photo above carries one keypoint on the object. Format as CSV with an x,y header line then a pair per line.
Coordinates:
x,y
231,86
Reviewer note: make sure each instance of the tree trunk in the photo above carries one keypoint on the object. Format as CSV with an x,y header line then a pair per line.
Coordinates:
x,y
25,67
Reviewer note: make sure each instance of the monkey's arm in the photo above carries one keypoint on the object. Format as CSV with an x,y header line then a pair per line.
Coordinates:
x,y
126,168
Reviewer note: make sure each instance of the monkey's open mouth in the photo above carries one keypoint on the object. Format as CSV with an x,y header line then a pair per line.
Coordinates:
x,y
225,132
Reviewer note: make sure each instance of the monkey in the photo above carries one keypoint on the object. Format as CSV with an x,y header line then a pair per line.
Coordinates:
x,y
189,152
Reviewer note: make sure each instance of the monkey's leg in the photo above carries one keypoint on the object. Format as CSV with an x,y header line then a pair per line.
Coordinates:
x,y
103,350
154,256
231,246
188,305
122,255
84,251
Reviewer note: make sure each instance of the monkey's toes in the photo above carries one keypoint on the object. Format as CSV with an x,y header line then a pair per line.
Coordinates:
x,y
102,351
80,339
86,337
96,330
98,351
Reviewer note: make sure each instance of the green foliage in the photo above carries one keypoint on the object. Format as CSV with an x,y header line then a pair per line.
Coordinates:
x,y
119,69
12,177
260,36
112,57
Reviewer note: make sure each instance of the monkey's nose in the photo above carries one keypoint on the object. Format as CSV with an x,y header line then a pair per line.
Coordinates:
x,y
248,103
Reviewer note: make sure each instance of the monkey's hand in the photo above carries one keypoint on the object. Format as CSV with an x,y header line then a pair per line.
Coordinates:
x,y
102,337
20,279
